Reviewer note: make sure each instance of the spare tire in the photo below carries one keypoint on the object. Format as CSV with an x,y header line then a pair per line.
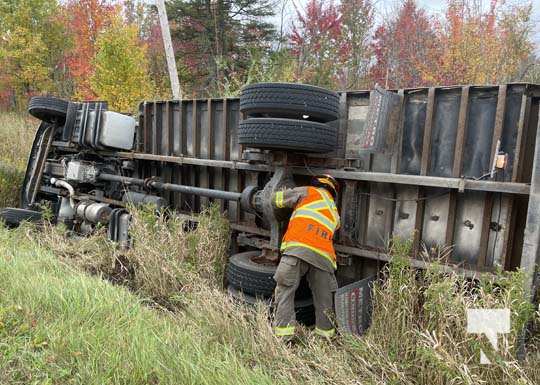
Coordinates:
x,y
290,100
48,109
13,217
304,309
287,134
256,279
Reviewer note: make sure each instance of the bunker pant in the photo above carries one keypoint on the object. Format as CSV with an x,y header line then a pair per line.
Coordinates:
x,y
323,284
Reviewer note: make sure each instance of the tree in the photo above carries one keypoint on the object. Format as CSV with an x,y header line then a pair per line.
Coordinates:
x,y
121,67
32,41
402,45
213,40
331,43
531,70
85,19
478,46
315,42
357,22
150,35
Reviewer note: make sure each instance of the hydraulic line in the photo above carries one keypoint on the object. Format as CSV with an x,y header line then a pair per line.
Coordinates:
x,y
204,192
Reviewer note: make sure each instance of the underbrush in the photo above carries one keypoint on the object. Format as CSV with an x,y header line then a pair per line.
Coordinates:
x,y
168,257
16,136
418,333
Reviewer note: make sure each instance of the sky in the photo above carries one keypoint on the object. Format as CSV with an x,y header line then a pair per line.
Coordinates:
x,y
433,7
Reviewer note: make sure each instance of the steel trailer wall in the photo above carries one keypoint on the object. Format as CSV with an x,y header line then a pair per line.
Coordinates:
x,y
414,189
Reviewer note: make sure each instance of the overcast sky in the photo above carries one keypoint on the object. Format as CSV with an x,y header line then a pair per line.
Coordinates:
x,y
432,6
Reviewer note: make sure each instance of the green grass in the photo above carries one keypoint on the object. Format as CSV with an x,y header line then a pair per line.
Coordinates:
x,y
16,136
61,326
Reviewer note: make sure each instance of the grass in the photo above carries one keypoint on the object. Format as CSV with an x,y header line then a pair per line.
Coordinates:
x,y
61,326
81,311
96,332
16,136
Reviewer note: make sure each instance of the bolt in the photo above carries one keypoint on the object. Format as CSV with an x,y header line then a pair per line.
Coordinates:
x,y
404,215
494,226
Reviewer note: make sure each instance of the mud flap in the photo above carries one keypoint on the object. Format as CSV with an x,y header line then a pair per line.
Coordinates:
x,y
353,306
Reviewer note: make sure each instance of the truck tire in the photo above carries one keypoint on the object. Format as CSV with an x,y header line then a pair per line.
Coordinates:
x,y
48,109
287,134
256,279
290,100
13,217
304,309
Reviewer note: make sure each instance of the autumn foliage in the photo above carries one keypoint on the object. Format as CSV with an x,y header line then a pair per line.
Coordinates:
x,y
112,49
86,19
468,45
480,47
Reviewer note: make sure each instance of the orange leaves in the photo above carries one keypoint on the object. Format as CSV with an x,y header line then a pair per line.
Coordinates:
x,y
469,44
479,46
403,46
85,19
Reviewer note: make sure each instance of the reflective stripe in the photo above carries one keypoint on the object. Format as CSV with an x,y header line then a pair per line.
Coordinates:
x,y
286,245
331,204
320,204
279,199
282,331
316,216
325,333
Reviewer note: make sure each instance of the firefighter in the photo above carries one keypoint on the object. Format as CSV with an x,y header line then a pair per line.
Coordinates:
x,y
307,249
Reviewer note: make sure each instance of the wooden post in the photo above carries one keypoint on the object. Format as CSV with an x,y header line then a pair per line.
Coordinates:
x,y
169,51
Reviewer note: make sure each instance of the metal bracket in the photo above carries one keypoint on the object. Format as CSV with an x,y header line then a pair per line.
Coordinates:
x,y
281,179
461,185
256,156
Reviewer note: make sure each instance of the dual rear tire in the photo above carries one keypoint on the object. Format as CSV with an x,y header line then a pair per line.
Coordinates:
x,y
288,117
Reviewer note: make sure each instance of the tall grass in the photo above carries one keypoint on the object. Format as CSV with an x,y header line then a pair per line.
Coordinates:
x,y
169,254
16,136
418,334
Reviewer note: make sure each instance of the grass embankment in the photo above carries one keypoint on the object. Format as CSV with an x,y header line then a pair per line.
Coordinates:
x,y
60,326
63,326
16,135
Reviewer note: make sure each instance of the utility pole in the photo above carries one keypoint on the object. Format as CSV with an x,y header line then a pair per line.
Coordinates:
x,y
169,51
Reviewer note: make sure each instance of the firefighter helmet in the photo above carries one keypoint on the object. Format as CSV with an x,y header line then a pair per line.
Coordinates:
x,y
328,182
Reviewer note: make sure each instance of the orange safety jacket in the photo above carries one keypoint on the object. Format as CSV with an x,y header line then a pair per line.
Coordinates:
x,y
312,224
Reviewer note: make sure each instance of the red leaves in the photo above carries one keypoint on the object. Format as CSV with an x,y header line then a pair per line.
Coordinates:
x,y
319,25
402,45
85,19
329,42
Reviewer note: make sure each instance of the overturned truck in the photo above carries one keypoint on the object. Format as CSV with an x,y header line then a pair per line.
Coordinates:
x,y
441,166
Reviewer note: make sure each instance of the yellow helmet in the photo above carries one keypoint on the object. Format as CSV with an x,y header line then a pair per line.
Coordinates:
x,y
328,182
